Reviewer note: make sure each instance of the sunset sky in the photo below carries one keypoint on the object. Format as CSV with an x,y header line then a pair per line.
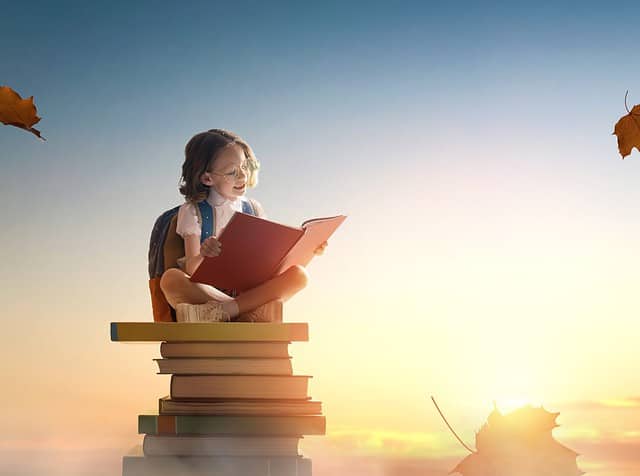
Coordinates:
x,y
490,251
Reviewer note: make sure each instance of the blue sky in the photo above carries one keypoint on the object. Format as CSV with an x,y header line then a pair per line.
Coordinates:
x,y
334,99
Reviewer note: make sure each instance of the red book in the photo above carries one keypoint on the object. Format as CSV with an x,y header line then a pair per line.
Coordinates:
x,y
255,250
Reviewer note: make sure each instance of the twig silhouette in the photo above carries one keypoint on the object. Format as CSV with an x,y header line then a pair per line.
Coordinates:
x,y
625,101
445,420
633,116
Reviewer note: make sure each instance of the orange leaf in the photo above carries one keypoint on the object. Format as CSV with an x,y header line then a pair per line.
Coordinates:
x,y
519,443
15,111
628,131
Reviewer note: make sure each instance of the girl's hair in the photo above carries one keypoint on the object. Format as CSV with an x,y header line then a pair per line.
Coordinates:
x,y
199,155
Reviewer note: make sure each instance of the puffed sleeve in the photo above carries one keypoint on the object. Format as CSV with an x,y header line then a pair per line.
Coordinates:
x,y
187,222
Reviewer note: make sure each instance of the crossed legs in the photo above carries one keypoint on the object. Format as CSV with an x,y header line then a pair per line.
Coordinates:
x,y
177,288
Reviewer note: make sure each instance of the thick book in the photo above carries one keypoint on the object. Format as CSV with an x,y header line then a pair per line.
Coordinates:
x,y
207,366
266,350
255,250
209,331
167,406
231,425
239,386
136,464
200,445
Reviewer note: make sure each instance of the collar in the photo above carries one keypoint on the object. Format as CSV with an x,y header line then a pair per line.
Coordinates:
x,y
217,200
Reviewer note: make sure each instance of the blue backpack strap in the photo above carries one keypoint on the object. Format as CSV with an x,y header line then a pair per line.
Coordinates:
x,y
247,207
208,220
208,217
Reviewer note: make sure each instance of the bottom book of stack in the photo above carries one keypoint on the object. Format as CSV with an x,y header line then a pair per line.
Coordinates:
x,y
137,464
222,445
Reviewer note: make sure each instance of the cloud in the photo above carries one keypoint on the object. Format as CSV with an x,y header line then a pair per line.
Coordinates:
x,y
612,450
382,466
608,453
367,452
393,443
612,403
57,462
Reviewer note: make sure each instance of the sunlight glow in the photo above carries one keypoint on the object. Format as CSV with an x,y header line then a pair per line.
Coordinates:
x,y
509,404
407,444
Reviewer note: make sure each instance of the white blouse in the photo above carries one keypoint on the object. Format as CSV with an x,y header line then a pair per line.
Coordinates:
x,y
223,209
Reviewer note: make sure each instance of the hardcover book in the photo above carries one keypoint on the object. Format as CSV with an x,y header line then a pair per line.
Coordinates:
x,y
200,445
266,350
232,425
206,366
167,406
255,250
136,464
208,331
239,386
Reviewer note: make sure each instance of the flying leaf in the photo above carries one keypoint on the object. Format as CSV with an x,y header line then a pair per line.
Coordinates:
x,y
519,444
627,129
18,112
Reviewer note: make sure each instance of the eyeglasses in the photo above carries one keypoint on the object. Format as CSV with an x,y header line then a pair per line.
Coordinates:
x,y
235,174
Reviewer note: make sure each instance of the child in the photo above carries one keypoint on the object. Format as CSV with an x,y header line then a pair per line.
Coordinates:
x,y
218,168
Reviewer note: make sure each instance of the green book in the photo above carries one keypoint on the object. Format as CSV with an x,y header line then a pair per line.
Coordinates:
x,y
208,331
231,425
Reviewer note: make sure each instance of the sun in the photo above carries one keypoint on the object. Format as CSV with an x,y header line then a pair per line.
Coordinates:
x,y
507,404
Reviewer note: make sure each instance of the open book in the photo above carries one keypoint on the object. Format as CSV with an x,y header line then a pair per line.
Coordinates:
x,y
255,250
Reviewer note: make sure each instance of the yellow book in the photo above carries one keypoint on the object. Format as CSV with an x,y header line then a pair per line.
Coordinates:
x,y
208,331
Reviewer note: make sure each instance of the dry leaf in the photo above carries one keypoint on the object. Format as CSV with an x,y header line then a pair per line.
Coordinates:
x,y
519,444
628,131
15,111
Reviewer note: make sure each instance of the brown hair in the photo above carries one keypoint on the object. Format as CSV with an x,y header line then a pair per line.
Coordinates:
x,y
200,153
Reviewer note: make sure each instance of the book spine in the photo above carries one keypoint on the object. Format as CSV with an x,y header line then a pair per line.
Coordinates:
x,y
224,366
231,425
232,407
216,465
239,386
258,350
199,445
207,332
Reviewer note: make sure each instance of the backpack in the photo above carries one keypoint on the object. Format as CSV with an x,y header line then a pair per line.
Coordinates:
x,y
166,246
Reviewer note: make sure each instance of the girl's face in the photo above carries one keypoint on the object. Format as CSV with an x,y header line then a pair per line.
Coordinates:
x,y
228,173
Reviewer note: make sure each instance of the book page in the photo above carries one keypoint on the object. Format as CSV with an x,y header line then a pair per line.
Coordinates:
x,y
316,232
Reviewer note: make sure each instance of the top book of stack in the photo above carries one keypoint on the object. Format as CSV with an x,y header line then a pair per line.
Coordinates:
x,y
208,332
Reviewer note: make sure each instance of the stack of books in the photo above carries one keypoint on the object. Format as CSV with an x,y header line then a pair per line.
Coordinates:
x,y
234,408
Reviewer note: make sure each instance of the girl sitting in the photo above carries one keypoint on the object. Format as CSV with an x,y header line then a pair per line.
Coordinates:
x,y
219,166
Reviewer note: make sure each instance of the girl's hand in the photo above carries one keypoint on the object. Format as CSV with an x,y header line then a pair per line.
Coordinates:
x,y
320,249
210,247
